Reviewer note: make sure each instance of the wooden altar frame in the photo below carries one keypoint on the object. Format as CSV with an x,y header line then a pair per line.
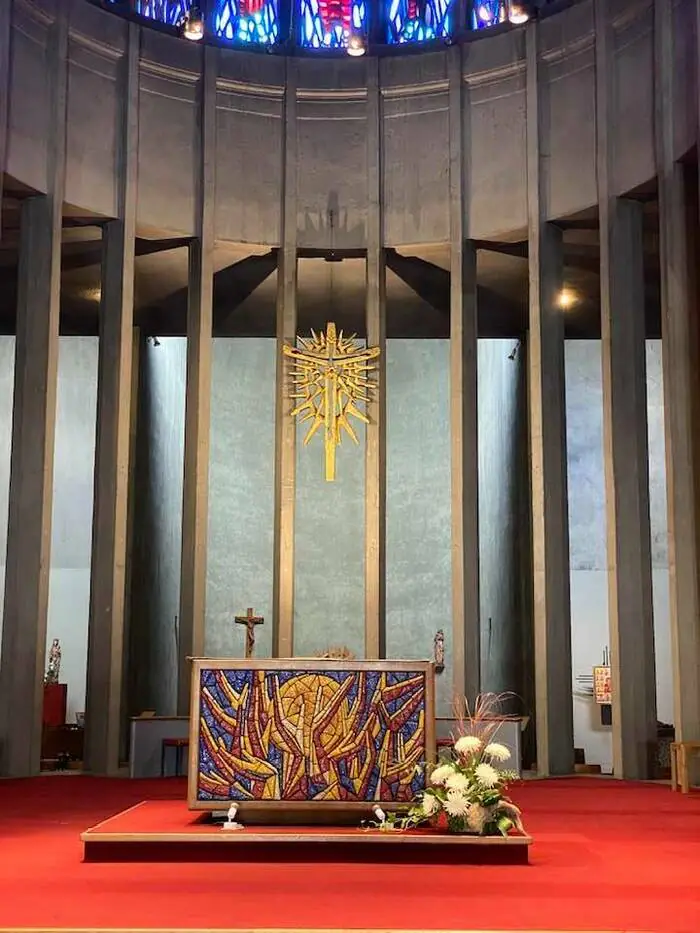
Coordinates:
x,y
300,664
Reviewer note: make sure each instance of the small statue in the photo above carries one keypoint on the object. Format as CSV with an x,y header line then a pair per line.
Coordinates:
x,y
439,651
231,818
54,668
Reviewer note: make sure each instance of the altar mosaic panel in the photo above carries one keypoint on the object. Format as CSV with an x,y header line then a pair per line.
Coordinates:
x,y
317,736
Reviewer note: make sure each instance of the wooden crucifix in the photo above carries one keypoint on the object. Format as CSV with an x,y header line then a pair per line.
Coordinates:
x,y
250,620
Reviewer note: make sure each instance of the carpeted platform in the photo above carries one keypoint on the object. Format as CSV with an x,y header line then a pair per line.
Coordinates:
x,y
166,831
607,856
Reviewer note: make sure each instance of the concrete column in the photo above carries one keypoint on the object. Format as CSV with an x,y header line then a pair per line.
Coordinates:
x,y
680,363
5,32
547,421
375,451
630,607
466,646
285,428
112,454
195,500
33,431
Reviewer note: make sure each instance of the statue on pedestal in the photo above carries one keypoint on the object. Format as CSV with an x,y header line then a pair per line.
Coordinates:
x,y
439,651
54,667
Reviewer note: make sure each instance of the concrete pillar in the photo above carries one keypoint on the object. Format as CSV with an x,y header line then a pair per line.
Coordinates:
x,y
547,421
195,500
630,606
375,450
466,647
33,431
680,363
112,454
285,427
5,32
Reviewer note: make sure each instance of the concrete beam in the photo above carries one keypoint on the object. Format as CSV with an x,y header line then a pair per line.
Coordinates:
x,y
112,453
680,365
375,444
466,632
195,504
285,427
550,523
33,435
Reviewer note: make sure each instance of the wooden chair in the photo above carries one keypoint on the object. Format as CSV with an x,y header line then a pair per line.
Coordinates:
x,y
680,752
179,745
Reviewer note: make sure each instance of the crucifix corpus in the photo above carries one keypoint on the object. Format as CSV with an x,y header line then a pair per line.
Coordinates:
x,y
250,620
331,376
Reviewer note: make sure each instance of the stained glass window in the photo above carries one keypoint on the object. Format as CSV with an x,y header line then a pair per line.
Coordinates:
x,y
487,13
419,20
253,21
328,24
165,11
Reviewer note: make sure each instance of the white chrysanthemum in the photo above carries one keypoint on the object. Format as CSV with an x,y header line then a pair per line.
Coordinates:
x,y
486,774
458,782
497,751
430,804
441,773
477,817
467,744
456,804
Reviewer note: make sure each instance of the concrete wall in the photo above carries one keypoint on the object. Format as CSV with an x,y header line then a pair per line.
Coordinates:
x,y
418,533
331,125
589,596
71,529
241,494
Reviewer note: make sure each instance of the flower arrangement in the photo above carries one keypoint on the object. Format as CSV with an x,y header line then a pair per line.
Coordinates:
x,y
468,789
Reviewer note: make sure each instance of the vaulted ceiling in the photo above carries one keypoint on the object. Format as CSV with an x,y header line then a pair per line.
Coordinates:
x,y
330,285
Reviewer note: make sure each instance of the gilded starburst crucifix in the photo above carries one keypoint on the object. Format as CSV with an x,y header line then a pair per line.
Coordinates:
x,y
331,375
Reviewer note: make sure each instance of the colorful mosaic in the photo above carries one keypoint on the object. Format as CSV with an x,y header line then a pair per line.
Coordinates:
x,y
252,21
487,13
328,24
414,21
321,735
165,11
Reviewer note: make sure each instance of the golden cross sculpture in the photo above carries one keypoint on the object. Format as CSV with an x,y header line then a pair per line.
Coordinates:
x,y
250,620
330,376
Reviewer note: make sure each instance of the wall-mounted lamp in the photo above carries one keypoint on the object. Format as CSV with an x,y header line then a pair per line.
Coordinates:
x,y
192,24
566,299
356,45
518,11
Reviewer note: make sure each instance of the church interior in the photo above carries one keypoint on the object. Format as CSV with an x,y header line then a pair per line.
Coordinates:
x,y
349,465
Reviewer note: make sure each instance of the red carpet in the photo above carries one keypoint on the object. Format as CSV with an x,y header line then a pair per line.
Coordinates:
x,y
607,856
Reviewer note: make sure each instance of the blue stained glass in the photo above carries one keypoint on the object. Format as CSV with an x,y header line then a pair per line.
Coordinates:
x,y
329,24
419,20
487,13
254,22
165,11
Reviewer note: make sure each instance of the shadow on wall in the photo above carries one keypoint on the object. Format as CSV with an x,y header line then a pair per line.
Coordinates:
x,y
155,568
503,524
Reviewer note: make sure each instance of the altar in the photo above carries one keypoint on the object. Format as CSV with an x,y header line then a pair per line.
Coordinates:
x,y
316,734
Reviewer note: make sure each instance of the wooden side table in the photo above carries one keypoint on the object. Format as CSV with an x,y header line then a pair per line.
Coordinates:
x,y
179,745
680,752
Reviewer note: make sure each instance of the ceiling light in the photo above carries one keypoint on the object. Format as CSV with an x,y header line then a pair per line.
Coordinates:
x,y
519,12
566,299
356,45
192,24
